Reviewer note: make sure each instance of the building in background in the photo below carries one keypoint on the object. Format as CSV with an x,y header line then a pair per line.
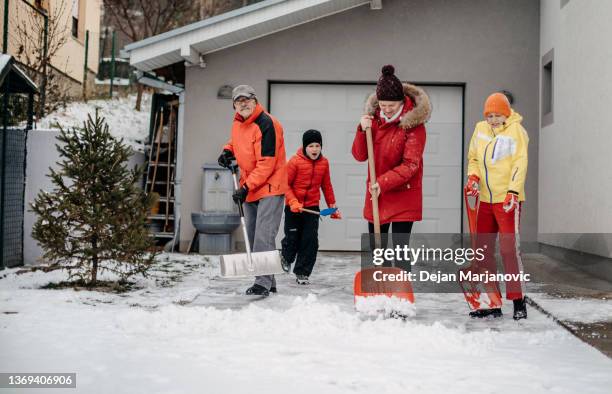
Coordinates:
x,y
575,174
72,32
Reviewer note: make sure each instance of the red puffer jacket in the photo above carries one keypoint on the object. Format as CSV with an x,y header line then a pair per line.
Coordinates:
x,y
398,157
306,178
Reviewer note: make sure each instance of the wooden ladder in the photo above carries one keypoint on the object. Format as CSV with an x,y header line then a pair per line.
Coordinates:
x,y
163,223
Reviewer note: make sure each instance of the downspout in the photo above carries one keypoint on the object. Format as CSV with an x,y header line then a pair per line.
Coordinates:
x,y
178,176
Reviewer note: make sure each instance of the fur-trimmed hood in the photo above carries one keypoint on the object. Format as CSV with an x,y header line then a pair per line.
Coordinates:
x,y
418,115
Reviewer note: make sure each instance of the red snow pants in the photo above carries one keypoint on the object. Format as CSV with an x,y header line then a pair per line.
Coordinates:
x,y
491,221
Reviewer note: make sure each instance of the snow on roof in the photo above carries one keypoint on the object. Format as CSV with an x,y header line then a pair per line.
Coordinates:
x,y
7,65
4,60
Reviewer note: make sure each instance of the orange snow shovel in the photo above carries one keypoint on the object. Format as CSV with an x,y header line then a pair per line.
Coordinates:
x,y
365,284
477,294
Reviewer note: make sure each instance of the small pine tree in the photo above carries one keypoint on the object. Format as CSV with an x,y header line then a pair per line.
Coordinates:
x,y
94,219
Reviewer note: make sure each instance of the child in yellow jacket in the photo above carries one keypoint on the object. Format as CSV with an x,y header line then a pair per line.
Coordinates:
x,y
497,168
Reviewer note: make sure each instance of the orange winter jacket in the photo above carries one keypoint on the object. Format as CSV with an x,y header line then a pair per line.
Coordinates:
x,y
259,148
306,179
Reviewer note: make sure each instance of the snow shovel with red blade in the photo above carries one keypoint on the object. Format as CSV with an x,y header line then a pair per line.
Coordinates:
x,y
477,294
365,285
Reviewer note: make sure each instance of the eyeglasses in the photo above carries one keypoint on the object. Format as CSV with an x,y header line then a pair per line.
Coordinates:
x,y
243,101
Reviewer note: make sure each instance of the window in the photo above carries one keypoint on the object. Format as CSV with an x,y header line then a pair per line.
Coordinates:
x,y
547,93
75,18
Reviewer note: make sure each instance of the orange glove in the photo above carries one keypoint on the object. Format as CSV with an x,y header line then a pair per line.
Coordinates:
x,y
471,186
295,206
336,215
511,201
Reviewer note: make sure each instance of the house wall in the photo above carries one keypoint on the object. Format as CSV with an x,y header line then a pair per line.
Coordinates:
x,y
69,59
575,181
487,45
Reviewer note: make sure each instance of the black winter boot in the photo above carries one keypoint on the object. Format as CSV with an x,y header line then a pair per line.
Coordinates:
x,y
258,290
520,309
482,313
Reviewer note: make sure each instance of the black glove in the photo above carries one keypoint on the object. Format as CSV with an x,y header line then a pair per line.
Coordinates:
x,y
240,195
225,160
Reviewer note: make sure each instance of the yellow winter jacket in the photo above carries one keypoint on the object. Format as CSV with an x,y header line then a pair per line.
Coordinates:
x,y
499,158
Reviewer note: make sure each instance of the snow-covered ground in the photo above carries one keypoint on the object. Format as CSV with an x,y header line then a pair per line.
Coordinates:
x,y
583,310
123,120
188,331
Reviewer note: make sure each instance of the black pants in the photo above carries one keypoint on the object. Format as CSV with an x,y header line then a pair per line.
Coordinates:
x,y
400,235
301,239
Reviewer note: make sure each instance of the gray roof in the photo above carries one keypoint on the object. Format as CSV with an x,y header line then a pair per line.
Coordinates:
x,y
189,43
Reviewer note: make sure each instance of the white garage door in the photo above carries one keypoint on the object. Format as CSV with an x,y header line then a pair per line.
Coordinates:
x,y
335,111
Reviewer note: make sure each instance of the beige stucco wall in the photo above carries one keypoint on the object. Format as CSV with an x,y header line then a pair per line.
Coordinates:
x,y
70,58
487,45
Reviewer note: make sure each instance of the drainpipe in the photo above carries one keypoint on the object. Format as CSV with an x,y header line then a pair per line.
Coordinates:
x,y
178,176
5,27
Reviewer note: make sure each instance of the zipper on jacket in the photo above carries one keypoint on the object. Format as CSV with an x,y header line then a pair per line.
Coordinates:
x,y
487,172
493,154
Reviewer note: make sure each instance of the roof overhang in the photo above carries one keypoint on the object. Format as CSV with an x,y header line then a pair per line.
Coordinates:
x,y
18,81
190,43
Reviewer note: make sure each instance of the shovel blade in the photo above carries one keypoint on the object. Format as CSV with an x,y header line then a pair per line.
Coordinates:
x,y
264,263
364,284
328,211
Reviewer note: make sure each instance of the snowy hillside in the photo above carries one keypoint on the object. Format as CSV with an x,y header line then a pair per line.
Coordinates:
x,y
123,120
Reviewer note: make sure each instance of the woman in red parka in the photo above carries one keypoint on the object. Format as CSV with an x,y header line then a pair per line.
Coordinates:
x,y
308,174
396,114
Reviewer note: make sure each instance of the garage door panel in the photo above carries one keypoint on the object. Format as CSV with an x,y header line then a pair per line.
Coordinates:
x,y
445,101
335,111
441,187
438,221
443,145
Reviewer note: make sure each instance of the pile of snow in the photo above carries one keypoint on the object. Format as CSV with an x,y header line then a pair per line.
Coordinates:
x,y
123,120
187,330
382,305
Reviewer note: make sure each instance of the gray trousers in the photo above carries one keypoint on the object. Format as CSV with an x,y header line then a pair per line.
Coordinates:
x,y
262,222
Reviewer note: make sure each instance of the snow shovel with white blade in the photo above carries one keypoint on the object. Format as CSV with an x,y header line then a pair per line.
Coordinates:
x,y
249,263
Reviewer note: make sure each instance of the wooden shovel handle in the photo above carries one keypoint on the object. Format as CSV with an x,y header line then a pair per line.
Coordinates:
x,y
372,168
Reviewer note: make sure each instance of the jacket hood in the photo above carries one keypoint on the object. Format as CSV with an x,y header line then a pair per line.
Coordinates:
x,y
418,115
514,117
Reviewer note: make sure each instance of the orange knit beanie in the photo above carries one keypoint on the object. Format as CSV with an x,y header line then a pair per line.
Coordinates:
x,y
497,103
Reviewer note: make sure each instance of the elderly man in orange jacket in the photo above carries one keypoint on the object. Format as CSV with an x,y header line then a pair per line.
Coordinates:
x,y
258,146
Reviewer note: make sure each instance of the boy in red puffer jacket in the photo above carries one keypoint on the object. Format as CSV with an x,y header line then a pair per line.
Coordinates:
x,y
308,173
